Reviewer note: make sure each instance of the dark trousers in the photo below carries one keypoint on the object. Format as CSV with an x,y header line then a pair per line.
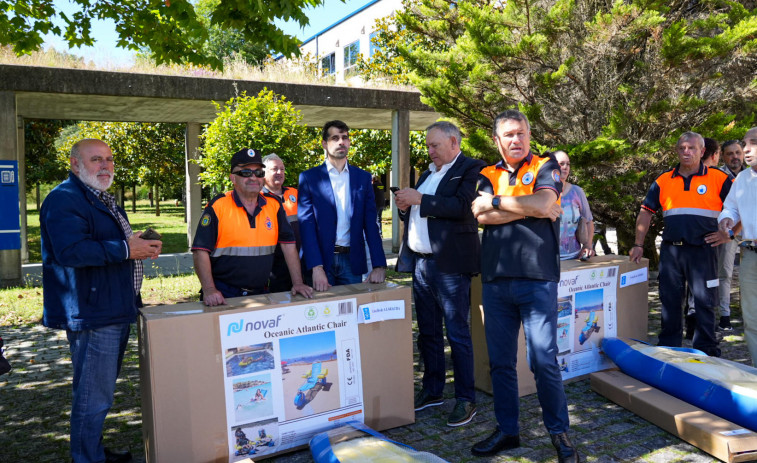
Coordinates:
x,y
697,266
443,297
280,279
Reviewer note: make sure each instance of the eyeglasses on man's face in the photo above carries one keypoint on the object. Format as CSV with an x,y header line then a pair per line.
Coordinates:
x,y
247,173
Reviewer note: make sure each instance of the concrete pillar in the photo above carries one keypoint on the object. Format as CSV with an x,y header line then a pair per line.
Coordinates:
x,y
400,167
194,190
10,259
21,149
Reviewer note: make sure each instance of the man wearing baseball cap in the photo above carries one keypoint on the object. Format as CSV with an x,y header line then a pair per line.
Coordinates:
x,y
238,232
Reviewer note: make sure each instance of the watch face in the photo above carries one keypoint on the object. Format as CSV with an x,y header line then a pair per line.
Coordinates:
x,y
495,203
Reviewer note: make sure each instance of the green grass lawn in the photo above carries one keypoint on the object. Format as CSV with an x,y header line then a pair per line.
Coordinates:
x,y
19,306
22,306
170,224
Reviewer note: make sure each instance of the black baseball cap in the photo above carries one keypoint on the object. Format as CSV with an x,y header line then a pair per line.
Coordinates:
x,y
246,156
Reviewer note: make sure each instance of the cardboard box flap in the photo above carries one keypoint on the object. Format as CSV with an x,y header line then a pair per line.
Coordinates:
x,y
262,300
718,437
744,444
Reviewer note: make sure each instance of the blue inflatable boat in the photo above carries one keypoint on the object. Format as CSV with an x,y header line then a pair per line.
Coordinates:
x,y
721,387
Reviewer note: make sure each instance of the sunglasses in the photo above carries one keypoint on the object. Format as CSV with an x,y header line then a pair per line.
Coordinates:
x,y
247,173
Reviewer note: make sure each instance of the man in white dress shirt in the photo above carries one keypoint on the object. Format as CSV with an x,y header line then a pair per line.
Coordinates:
x,y
741,205
442,250
337,215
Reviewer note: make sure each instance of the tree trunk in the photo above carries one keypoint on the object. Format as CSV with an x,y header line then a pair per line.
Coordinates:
x,y
38,194
134,199
156,195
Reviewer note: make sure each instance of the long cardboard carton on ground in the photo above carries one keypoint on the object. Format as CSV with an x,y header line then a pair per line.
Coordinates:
x,y
182,380
631,312
720,438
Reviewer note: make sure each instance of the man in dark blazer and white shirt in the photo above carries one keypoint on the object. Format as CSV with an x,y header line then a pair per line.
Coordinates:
x,y
337,215
442,249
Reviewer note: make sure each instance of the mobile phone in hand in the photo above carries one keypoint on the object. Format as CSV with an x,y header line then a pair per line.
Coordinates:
x,y
150,234
394,189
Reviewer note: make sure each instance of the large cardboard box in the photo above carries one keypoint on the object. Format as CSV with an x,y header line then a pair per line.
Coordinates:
x,y
182,365
718,437
631,287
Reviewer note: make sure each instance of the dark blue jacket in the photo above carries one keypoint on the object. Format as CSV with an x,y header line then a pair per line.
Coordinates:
x,y
317,216
87,279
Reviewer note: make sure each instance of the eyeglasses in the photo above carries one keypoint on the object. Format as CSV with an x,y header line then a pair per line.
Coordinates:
x,y
247,173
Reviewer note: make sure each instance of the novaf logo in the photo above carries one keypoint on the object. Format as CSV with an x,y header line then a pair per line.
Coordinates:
x,y
236,327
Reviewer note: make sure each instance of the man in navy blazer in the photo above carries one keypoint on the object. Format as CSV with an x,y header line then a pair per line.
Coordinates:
x,y
441,248
337,215
91,280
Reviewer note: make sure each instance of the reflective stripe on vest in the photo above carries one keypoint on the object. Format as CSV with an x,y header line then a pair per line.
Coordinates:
x,y
691,211
250,251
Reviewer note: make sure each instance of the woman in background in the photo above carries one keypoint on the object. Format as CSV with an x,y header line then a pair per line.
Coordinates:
x,y
576,222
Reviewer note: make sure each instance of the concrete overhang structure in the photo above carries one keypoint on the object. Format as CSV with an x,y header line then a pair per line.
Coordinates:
x,y
30,92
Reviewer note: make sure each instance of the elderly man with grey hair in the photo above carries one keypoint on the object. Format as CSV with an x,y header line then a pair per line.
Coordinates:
x,y
91,280
275,176
440,247
690,197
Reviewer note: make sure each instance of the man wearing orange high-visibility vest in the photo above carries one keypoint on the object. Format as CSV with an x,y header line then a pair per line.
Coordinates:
x,y
237,236
518,205
275,175
691,197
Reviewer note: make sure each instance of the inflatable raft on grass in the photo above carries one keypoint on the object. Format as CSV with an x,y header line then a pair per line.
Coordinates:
x,y
721,387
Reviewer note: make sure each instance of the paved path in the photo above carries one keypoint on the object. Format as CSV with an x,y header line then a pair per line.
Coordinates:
x,y
35,400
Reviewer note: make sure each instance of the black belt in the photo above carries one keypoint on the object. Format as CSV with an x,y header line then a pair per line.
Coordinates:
x,y
674,243
341,249
425,256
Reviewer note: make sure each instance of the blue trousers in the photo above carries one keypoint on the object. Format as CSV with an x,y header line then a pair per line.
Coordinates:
x,y
697,266
341,271
443,296
508,302
96,355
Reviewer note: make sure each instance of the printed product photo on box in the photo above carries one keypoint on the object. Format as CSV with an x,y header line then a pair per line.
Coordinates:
x,y
289,373
587,308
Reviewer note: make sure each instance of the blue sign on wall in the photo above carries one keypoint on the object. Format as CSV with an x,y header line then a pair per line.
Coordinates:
x,y
10,228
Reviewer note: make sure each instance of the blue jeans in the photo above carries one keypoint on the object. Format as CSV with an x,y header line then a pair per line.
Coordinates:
x,y
96,355
443,296
507,303
341,271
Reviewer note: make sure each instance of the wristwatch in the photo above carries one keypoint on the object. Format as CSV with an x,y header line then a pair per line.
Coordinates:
x,y
731,235
495,202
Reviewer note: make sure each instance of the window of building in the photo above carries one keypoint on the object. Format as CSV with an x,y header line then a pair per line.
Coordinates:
x,y
328,65
374,47
351,53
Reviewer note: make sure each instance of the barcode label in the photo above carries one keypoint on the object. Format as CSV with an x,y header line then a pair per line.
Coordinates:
x,y
345,308
611,272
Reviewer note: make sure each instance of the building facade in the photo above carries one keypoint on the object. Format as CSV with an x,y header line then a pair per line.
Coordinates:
x,y
338,47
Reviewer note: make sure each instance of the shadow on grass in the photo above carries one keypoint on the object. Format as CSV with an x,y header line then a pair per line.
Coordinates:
x,y
35,401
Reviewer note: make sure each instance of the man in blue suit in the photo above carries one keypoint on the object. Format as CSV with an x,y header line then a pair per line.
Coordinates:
x,y
442,250
337,215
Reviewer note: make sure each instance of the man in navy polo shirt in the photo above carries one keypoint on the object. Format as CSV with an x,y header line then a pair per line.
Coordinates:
x,y
519,208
